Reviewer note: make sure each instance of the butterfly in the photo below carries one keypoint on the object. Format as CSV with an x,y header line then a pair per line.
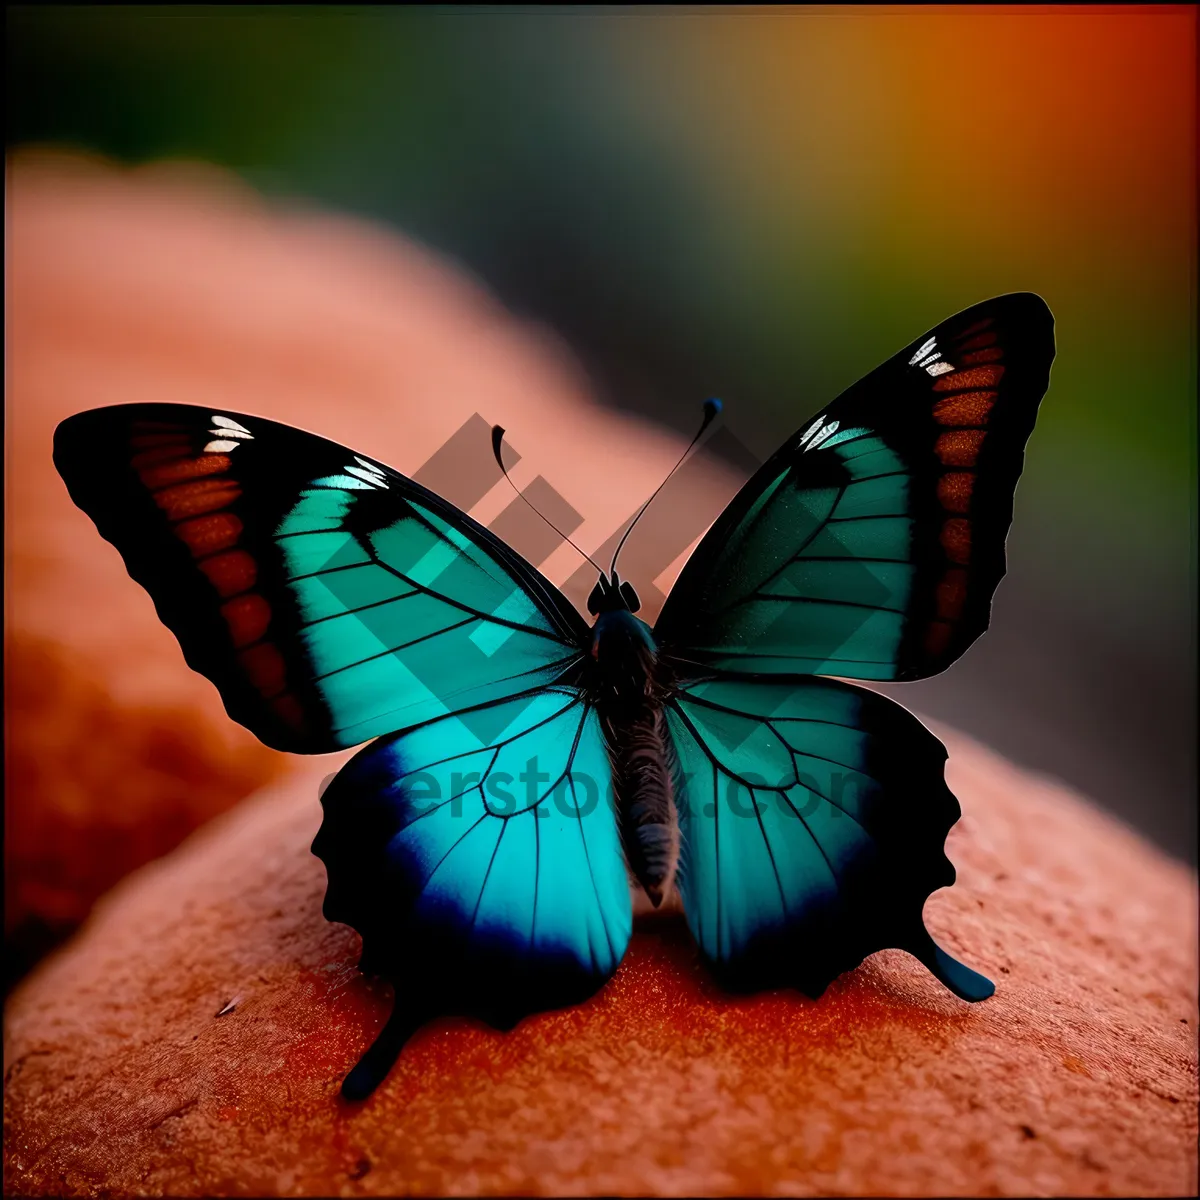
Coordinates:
x,y
528,770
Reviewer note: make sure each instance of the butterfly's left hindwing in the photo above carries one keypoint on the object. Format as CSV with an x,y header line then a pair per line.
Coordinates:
x,y
329,598
485,873
813,817
871,544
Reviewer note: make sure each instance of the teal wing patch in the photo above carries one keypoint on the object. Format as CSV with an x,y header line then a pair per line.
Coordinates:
x,y
409,619
813,817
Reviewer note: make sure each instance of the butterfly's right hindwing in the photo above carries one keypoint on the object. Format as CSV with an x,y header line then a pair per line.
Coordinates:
x,y
813,817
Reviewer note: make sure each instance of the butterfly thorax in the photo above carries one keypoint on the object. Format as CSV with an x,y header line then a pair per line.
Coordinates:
x,y
628,686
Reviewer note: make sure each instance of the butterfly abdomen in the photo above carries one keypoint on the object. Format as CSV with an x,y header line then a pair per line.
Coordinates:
x,y
644,785
628,698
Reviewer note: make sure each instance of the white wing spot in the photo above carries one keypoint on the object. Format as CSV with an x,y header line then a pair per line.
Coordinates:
x,y
230,424
225,428
940,368
811,430
370,466
924,350
366,476
828,431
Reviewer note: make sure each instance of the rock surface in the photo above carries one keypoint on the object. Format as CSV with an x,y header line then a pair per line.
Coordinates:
x,y
192,1039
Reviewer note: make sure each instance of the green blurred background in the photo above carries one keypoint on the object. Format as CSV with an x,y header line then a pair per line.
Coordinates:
x,y
763,205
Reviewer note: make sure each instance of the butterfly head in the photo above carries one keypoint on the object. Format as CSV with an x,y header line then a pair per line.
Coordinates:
x,y
613,594
622,644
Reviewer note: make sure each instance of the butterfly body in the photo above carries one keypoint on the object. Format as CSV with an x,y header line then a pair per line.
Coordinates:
x,y
628,684
525,765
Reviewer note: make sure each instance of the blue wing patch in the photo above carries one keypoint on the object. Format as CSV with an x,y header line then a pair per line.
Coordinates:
x,y
486,876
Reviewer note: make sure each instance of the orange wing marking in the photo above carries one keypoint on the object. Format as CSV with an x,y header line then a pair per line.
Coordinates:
x,y
195,492
965,412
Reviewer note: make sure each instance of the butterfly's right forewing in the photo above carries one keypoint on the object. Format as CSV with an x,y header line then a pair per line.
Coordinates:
x,y
871,544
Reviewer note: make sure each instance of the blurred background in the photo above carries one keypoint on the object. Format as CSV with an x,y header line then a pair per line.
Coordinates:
x,y
763,205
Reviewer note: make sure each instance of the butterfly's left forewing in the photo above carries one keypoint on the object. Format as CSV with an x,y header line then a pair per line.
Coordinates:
x,y
329,598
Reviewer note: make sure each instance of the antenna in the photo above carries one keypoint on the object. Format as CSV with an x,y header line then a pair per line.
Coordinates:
x,y
497,439
712,407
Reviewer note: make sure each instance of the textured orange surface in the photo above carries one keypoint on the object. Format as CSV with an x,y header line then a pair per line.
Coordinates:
x,y
177,284
1077,1078
95,789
